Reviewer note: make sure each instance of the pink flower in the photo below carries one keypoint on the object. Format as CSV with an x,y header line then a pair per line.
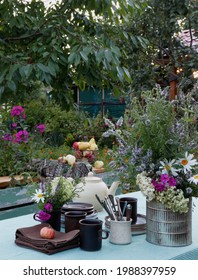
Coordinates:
x,y
7,137
162,183
43,216
14,125
21,136
164,178
16,111
159,185
41,128
172,182
48,207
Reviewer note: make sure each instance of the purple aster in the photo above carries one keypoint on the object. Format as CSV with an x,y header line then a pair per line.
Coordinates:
x,y
188,190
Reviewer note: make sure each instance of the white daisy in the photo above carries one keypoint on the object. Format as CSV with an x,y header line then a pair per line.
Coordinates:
x,y
193,179
38,196
168,167
187,162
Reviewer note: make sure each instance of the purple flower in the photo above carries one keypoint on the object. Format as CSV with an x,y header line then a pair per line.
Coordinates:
x,y
160,187
43,216
21,136
16,111
172,182
14,125
48,207
7,137
41,128
164,178
188,190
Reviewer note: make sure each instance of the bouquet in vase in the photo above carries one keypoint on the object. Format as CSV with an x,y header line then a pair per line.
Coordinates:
x,y
156,149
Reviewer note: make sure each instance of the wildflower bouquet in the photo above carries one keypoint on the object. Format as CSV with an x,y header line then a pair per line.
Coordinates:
x,y
157,147
172,184
52,195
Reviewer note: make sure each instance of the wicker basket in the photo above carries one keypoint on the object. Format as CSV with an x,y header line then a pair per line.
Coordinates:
x,y
166,228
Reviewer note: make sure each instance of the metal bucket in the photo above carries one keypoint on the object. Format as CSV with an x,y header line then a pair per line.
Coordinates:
x,y
166,228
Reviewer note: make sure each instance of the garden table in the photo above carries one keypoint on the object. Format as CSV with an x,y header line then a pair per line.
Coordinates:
x,y
139,249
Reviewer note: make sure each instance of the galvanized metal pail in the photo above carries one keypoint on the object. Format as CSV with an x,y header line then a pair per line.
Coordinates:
x,y
167,228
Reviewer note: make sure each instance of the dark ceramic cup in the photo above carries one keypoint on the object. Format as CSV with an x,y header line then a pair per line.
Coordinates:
x,y
91,234
54,220
72,219
133,202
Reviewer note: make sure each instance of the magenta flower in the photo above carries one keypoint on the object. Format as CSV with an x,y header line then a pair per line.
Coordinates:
x,y
164,178
159,185
41,128
16,111
21,136
7,137
153,182
48,207
14,125
164,181
43,216
172,182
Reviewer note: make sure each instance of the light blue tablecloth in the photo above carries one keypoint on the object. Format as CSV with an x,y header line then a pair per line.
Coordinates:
x,y
139,249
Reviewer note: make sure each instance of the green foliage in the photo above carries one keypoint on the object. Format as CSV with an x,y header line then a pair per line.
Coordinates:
x,y
154,130
153,122
63,123
60,45
16,154
52,152
167,128
152,59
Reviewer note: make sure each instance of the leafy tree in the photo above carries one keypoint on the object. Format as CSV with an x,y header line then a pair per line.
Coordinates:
x,y
160,25
70,42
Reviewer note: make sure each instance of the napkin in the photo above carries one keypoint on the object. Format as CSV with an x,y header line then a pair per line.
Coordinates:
x,y
30,237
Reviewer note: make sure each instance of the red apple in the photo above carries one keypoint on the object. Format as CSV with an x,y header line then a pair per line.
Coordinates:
x,y
47,232
75,145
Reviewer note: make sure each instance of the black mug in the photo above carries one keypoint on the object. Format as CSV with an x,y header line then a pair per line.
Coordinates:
x,y
91,234
54,220
133,202
72,219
